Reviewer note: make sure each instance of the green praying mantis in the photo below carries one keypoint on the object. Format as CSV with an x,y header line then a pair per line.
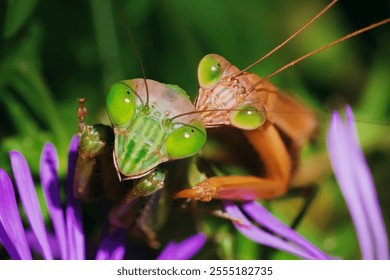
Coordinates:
x,y
152,123
146,131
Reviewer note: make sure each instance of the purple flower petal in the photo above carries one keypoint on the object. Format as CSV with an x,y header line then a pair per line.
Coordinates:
x,y
29,198
51,191
74,224
258,213
357,185
260,236
36,248
11,227
361,185
7,243
112,247
340,151
366,187
183,250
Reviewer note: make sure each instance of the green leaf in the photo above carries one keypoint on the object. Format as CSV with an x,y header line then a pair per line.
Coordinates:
x,y
22,121
28,139
17,14
246,249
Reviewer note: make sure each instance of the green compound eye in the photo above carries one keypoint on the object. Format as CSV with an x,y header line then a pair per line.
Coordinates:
x,y
247,117
120,103
186,140
209,71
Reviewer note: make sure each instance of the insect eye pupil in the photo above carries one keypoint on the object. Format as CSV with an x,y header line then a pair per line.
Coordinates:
x,y
192,130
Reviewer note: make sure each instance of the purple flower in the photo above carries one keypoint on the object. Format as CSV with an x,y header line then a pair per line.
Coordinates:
x,y
357,185
277,235
67,239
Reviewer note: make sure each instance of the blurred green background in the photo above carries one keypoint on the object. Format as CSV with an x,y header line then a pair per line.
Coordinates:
x,y
52,52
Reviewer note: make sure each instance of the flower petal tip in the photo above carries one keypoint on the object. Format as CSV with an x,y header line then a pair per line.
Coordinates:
x,y
185,249
349,114
336,118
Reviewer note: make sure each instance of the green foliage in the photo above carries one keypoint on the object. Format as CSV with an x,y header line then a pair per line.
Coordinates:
x,y
52,52
18,12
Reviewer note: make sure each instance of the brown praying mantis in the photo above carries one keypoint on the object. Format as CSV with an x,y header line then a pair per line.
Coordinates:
x,y
274,123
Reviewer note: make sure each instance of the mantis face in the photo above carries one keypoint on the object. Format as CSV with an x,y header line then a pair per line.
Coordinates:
x,y
223,97
147,133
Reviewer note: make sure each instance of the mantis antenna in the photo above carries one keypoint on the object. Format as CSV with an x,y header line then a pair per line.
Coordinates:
x,y
130,36
213,110
287,40
357,32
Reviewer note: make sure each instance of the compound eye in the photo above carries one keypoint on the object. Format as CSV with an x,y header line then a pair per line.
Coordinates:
x,y
186,140
209,71
247,117
121,103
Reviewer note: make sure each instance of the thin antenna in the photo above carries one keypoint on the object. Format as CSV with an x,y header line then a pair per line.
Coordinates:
x,y
237,110
319,50
129,34
288,39
214,110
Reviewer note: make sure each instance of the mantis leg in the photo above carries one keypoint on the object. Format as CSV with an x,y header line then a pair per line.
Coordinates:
x,y
269,145
94,162
136,211
95,175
